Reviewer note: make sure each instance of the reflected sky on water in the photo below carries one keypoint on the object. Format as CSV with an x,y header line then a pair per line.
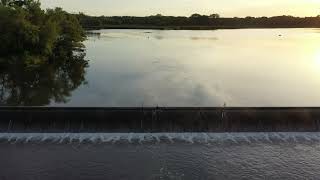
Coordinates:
x,y
248,67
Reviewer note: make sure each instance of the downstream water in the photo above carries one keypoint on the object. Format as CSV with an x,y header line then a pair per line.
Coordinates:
x,y
160,156
249,67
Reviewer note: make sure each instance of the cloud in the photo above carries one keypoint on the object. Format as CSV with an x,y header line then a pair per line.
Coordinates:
x,y
227,8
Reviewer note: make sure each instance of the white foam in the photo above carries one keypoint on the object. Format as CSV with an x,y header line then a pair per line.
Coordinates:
x,y
160,137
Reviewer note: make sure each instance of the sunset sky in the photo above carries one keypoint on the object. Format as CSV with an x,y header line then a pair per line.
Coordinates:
x,y
227,8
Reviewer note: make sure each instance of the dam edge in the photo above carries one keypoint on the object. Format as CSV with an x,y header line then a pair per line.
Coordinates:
x,y
158,119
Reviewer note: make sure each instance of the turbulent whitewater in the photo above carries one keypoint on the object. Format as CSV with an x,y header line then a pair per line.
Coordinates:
x,y
133,138
164,156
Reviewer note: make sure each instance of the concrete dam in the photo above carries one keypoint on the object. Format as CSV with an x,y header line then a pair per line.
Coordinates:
x,y
157,120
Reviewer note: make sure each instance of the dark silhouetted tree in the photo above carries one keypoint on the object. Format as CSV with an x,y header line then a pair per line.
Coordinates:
x,y
214,16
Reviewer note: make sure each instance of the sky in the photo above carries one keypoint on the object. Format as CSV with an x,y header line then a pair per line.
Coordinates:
x,y
226,8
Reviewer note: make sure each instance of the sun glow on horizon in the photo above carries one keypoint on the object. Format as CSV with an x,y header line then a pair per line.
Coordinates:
x,y
227,8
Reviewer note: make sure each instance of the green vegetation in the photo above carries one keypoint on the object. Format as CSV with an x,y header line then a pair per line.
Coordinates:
x,y
41,54
195,21
36,36
42,85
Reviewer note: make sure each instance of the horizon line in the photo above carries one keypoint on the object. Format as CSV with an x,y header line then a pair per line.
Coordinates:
x,y
284,15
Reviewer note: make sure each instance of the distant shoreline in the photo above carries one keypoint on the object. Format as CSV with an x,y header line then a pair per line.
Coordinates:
x,y
195,22
190,27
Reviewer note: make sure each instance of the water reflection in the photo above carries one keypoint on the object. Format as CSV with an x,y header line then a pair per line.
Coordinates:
x,y
204,38
247,67
39,86
93,34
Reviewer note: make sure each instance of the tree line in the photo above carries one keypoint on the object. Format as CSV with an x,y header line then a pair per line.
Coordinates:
x,y
42,58
196,21
37,35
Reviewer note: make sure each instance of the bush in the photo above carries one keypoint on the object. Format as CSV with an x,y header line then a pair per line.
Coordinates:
x,y
28,31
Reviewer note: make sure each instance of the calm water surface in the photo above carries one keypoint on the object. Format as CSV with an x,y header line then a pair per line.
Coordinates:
x,y
201,68
248,67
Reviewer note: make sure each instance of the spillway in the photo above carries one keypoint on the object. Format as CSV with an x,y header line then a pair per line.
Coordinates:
x,y
172,143
157,120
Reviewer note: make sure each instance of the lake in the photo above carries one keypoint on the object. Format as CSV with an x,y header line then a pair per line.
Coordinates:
x,y
250,67
246,67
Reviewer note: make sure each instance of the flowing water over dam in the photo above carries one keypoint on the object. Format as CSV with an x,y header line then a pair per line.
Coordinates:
x,y
142,138
168,156
157,120
159,143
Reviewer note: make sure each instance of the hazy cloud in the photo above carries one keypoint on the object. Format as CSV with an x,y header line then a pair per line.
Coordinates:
x,y
227,8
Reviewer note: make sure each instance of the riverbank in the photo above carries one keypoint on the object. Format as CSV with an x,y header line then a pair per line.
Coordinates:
x,y
189,27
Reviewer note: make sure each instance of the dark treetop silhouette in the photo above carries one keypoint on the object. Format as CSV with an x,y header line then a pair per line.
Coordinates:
x,y
196,21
